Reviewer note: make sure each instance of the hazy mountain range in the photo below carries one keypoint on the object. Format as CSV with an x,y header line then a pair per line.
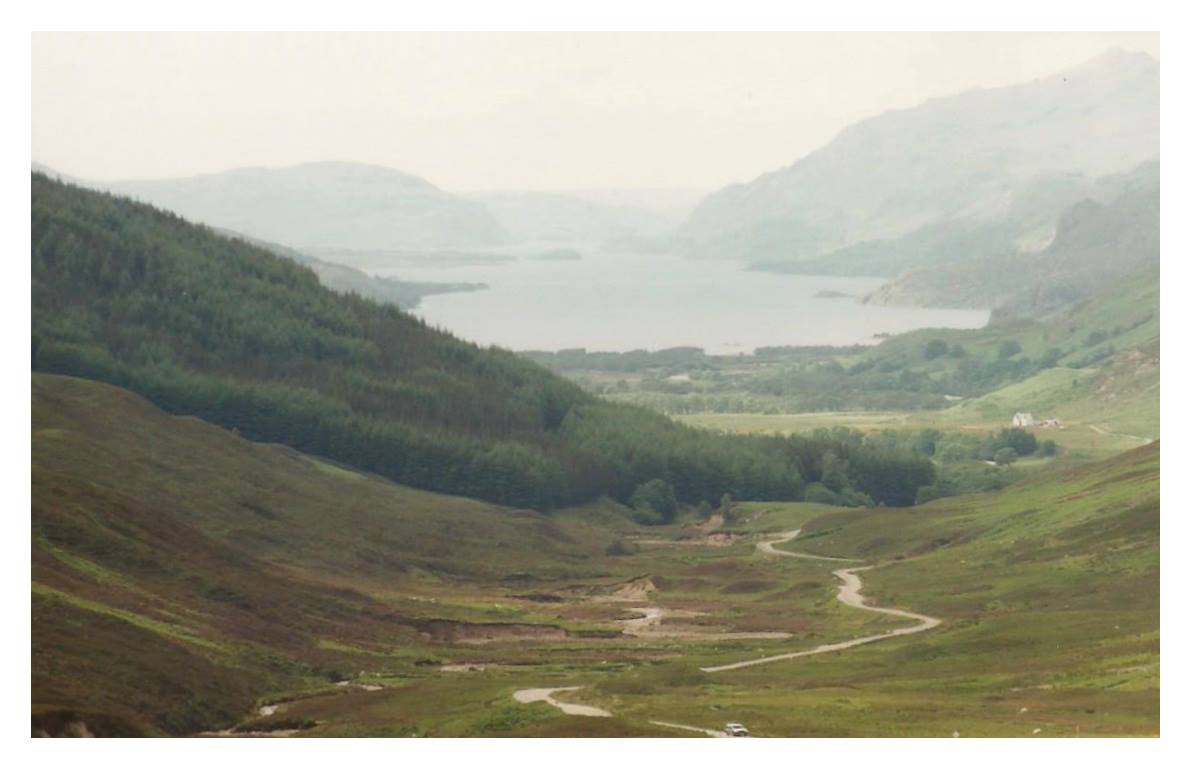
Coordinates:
x,y
325,205
968,157
589,216
365,213
958,200
1111,232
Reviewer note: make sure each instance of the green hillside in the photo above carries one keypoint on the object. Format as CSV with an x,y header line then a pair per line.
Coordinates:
x,y
345,279
180,571
1048,593
183,577
223,330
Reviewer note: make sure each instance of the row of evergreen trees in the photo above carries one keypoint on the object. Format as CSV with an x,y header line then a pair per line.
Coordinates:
x,y
205,325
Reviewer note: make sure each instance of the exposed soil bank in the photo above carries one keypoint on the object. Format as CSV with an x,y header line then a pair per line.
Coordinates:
x,y
649,624
545,694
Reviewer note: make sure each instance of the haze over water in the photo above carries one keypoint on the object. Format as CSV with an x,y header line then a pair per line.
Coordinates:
x,y
625,302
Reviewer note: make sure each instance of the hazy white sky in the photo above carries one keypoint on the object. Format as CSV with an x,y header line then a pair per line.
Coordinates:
x,y
502,111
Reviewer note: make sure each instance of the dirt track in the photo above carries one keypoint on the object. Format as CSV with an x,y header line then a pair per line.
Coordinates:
x,y
546,695
849,594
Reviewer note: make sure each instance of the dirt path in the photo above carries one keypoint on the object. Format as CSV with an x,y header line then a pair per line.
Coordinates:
x,y
849,594
767,547
546,695
689,728
651,617
1107,433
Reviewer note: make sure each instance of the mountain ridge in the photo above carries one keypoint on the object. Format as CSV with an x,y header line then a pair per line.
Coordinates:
x,y
326,204
949,157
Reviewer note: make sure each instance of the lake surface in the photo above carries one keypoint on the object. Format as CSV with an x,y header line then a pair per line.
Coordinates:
x,y
620,303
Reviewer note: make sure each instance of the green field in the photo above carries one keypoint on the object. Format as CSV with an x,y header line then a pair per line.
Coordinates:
x,y
183,577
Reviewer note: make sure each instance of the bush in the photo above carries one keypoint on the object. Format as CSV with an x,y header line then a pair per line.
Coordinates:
x,y
655,499
936,347
1048,448
621,548
1020,441
647,516
818,493
1005,456
1008,349
852,497
954,453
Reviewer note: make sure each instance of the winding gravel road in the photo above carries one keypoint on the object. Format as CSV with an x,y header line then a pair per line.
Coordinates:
x,y
849,594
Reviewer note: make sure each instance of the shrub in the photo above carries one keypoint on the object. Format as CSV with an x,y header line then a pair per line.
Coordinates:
x,y
655,498
1008,349
621,548
936,347
852,497
1020,441
817,493
1005,456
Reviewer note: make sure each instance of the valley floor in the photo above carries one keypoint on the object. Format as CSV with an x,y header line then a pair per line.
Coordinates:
x,y
410,613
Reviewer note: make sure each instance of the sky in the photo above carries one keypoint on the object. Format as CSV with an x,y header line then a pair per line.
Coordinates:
x,y
480,111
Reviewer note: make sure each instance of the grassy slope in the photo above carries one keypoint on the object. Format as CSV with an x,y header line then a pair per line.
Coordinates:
x,y
175,545
1054,582
1049,596
183,575
1127,314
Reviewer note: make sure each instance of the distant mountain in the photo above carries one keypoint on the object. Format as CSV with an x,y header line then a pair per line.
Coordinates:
x,y
1097,241
962,158
596,216
325,205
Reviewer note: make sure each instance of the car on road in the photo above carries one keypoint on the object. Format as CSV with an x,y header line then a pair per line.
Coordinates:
x,y
736,730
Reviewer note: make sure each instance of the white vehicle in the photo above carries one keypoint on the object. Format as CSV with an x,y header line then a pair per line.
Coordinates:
x,y
736,730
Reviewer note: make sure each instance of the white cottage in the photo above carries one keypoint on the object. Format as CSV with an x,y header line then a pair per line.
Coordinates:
x,y
1024,420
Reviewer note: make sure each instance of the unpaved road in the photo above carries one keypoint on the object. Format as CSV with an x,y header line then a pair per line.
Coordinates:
x,y
546,695
689,728
1107,433
767,547
849,594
